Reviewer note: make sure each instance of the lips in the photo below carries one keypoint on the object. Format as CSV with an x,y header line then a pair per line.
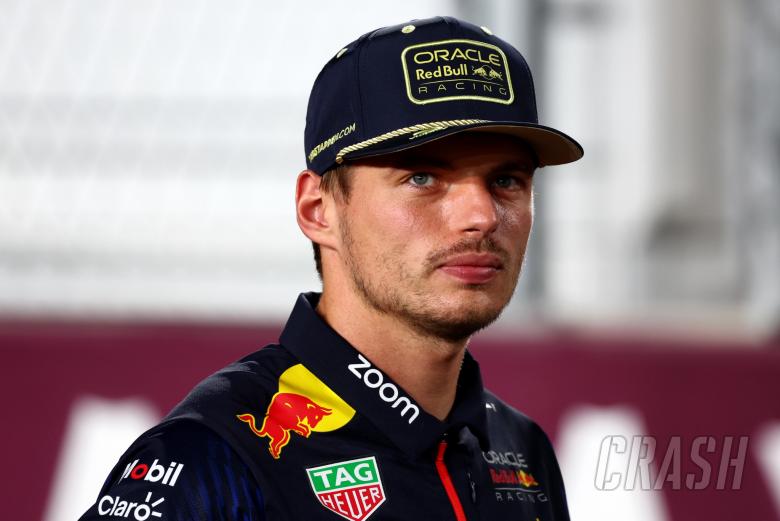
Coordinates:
x,y
472,268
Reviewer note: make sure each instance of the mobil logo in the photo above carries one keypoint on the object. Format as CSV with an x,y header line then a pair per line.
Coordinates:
x,y
154,473
303,405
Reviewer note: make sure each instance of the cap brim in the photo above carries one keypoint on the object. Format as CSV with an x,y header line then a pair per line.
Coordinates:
x,y
552,147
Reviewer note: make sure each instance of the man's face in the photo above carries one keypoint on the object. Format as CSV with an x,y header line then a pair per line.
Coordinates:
x,y
435,236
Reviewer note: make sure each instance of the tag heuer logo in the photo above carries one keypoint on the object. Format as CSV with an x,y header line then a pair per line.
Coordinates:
x,y
450,70
351,489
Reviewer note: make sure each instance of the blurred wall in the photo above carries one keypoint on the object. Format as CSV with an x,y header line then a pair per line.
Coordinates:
x,y
77,393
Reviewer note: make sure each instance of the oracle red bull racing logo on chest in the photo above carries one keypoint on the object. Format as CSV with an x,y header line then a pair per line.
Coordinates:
x,y
303,404
449,70
512,479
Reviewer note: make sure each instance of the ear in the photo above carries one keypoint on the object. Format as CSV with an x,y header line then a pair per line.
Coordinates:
x,y
313,209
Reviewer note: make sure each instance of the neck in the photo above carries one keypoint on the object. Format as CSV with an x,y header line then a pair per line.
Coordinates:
x,y
427,367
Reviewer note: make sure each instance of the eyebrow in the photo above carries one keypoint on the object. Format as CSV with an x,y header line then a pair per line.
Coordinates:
x,y
527,167
413,162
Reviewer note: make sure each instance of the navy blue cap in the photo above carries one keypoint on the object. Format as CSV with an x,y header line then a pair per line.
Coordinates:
x,y
402,86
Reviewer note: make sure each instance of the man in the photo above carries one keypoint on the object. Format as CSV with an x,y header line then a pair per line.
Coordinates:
x,y
421,143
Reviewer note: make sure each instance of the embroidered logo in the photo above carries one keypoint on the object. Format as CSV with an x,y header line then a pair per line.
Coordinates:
x,y
450,70
304,404
349,129
351,489
512,478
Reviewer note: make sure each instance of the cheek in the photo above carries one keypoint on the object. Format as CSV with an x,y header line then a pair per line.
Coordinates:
x,y
402,220
517,219
401,232
379,226
398,219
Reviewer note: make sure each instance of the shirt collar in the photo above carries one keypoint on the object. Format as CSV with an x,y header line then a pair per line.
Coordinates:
x,y
372,393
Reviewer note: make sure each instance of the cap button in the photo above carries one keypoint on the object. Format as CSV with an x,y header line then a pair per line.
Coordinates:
x,y
406,29
487,31
341,52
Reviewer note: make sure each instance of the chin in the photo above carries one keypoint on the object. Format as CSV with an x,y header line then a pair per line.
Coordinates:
x,y
455,330
462,320
475,300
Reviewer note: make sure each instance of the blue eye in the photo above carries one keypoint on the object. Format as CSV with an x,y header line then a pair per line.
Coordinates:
x,y
508,181
421,179
505,181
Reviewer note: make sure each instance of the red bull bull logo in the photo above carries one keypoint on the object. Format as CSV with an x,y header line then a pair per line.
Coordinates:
x,y
287,412
514,484
303,405
526,479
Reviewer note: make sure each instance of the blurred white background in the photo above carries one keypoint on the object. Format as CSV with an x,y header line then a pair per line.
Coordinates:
x,y
149,151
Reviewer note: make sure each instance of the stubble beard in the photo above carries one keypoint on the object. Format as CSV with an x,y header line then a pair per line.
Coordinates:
x,y
404,298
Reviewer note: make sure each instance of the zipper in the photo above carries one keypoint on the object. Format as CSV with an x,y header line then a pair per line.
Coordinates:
x,y
444,475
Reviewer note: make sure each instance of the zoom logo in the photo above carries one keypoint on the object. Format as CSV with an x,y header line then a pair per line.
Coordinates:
x,y
388,392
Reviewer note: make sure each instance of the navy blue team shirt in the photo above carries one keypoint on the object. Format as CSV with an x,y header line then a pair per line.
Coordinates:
x,y
311,429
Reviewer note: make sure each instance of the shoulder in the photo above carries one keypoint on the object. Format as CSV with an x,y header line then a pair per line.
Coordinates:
x,y
257,370
193,465
179,470
242,383
518,443
512,426
508,415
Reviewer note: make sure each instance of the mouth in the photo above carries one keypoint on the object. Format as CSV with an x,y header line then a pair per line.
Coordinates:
x,y
473,268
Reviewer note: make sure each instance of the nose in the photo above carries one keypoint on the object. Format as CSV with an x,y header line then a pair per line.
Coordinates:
x,y
472,208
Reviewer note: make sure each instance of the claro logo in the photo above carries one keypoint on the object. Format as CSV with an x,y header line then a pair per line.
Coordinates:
x,y
115,506
388,391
